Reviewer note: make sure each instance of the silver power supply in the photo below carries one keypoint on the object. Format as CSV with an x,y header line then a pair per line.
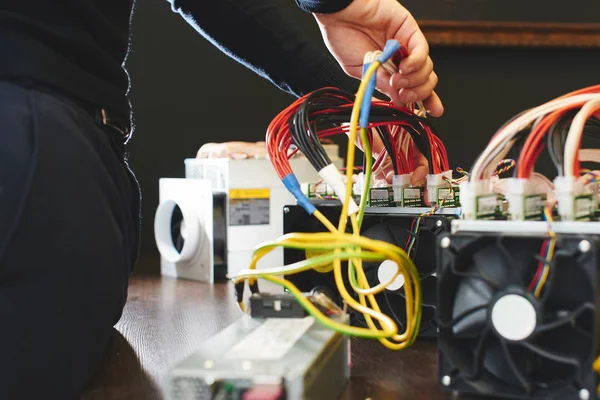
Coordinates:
x,y
296,357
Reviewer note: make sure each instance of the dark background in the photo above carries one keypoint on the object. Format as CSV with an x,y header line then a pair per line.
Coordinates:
x,y
186,93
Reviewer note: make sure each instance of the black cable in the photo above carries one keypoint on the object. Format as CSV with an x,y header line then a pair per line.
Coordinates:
x,y
389,148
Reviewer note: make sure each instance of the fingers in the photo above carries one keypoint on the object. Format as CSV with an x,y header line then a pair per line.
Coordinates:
x,y
400,81
434,105
422,92
411,36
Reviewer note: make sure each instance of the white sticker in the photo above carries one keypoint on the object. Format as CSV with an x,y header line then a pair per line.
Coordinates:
x,y
379,194
533,205
271,340
445,193
583,207
412,193
486,205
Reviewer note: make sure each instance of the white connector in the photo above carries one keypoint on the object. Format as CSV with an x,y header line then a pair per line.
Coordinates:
x,y
477,199
575,201
398,183
435,182
333,178
517,189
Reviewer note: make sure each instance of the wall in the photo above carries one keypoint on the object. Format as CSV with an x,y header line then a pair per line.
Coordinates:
x,y
186,93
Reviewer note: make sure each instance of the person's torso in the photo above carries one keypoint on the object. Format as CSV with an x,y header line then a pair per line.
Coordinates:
x,y
78,46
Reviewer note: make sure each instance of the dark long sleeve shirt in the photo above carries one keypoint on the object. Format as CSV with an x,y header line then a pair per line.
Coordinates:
x,y
79,46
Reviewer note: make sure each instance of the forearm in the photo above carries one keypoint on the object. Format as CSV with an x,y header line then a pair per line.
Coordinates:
x,y
257,34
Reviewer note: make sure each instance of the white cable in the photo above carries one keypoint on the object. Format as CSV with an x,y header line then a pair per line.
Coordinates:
x,y
575,133
504,136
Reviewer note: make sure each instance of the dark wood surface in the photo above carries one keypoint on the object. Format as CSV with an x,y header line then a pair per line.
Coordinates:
x,y
166,319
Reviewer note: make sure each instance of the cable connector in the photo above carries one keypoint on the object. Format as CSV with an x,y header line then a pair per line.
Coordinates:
x,y
400,182
525,202
436,182
291,183
575,201
477,200
333,178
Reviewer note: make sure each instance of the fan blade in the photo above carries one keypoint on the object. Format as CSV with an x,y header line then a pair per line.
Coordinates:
x,y
567,273
561,350
567,318
472,298
425,260
479,352
504,263
502,362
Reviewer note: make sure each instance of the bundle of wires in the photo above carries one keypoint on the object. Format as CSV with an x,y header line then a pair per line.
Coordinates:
x,y
304,124
326,112
532,126
547,251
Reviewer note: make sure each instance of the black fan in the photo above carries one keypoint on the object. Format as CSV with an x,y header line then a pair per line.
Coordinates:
x,y
391,228
496,338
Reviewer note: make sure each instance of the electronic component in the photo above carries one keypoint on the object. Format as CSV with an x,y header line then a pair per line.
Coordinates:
x,y
279,305
399,227
208,224
516,322
280,359
190,230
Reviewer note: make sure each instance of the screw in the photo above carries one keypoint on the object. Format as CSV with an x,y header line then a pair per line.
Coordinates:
x,y
584,246
445,243
208,364
446,380
584,394
286,210
439,223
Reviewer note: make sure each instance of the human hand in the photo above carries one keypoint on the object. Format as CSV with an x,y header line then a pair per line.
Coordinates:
x,y
366,25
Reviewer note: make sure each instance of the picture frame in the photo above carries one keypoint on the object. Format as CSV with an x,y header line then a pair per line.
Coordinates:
x,y
511,34
515,23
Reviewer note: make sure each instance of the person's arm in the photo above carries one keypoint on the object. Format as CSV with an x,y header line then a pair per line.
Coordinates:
x,y
257,34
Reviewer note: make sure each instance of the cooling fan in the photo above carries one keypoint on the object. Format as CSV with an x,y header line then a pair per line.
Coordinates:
x,y
391,228
496,338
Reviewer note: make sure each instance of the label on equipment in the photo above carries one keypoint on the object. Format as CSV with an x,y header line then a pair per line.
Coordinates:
x,y
584,207
533,206
271,340
379,194
486,205
249,207
412,193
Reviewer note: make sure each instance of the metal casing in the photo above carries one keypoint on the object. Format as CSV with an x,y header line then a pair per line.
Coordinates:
x,y
315,367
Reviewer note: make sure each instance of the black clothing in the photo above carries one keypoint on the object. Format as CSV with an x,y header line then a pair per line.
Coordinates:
x,y
80,46
69,233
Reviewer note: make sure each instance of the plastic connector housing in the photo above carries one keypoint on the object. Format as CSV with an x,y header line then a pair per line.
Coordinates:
x,y
525,202
333,178
398,183
476,198
435,182
575,201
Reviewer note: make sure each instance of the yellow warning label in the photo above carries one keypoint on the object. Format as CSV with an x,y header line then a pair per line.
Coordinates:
x,y
249,193
324,268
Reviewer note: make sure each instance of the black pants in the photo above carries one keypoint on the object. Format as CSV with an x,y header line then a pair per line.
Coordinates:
x,y
69,229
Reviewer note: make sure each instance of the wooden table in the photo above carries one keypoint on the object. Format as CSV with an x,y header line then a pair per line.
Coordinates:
x,y
166,320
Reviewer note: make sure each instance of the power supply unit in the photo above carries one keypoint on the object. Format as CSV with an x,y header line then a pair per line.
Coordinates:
x,y
208,224
503,336
392,225
265,359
